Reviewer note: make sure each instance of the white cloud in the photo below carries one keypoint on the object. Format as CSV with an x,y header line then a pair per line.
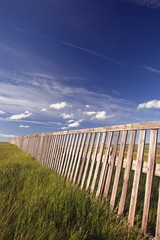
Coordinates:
x,y
90,113
87,106
7,135
65,115
101,115
22,95
24,126
98,115
74,124
63,128
43,110
58,105
150,104
26,114
153,4
70,121
2,112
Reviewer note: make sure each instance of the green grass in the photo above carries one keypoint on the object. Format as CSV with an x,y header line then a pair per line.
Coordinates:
x,y
37,204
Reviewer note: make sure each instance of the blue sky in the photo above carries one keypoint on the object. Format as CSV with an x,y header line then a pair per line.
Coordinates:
x,y
78,64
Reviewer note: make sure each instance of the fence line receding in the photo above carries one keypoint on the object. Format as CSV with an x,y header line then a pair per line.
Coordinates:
x,y
109,162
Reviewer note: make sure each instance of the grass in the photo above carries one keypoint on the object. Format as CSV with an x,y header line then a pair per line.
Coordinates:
x,y
35,203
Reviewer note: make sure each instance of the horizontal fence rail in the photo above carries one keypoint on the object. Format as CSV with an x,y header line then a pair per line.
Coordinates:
x,y
109,162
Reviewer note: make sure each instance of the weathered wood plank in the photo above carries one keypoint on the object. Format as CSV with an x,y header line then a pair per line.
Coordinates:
x,y
127,172
73,155
79,158
83,160
118,170
53,149
63,157
88,160
66,155
55,152
76,156
105,165
157,235
149,178
69,155
136,180
61,153
44,149
111,165
98,162
57,160
93,159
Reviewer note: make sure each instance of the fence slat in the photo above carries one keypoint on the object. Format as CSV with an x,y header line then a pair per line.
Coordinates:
x,y
118,170
149,178
136,180
93,159
67,153
64,153
79,158
127,172
73,155
83,160
61,152
55,152
76,156
111,165
58,152
48,149
88,160
98,162
104,166
158,216
54,137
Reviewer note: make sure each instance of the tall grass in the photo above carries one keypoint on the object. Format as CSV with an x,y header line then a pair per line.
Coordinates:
x,y
37,204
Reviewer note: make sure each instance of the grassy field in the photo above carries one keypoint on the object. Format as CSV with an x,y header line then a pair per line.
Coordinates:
x,y
36,204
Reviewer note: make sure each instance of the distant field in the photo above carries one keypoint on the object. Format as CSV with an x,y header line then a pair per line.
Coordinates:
x,y
146,150
37,204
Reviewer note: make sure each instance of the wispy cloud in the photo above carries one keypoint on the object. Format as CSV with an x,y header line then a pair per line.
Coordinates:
x,y
92,52
150,104
50,124
152,4
7,135
86,50
20,116
24,95
24,126
152,69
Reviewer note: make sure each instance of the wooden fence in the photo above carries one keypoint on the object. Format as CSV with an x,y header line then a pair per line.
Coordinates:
x,y
98,159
